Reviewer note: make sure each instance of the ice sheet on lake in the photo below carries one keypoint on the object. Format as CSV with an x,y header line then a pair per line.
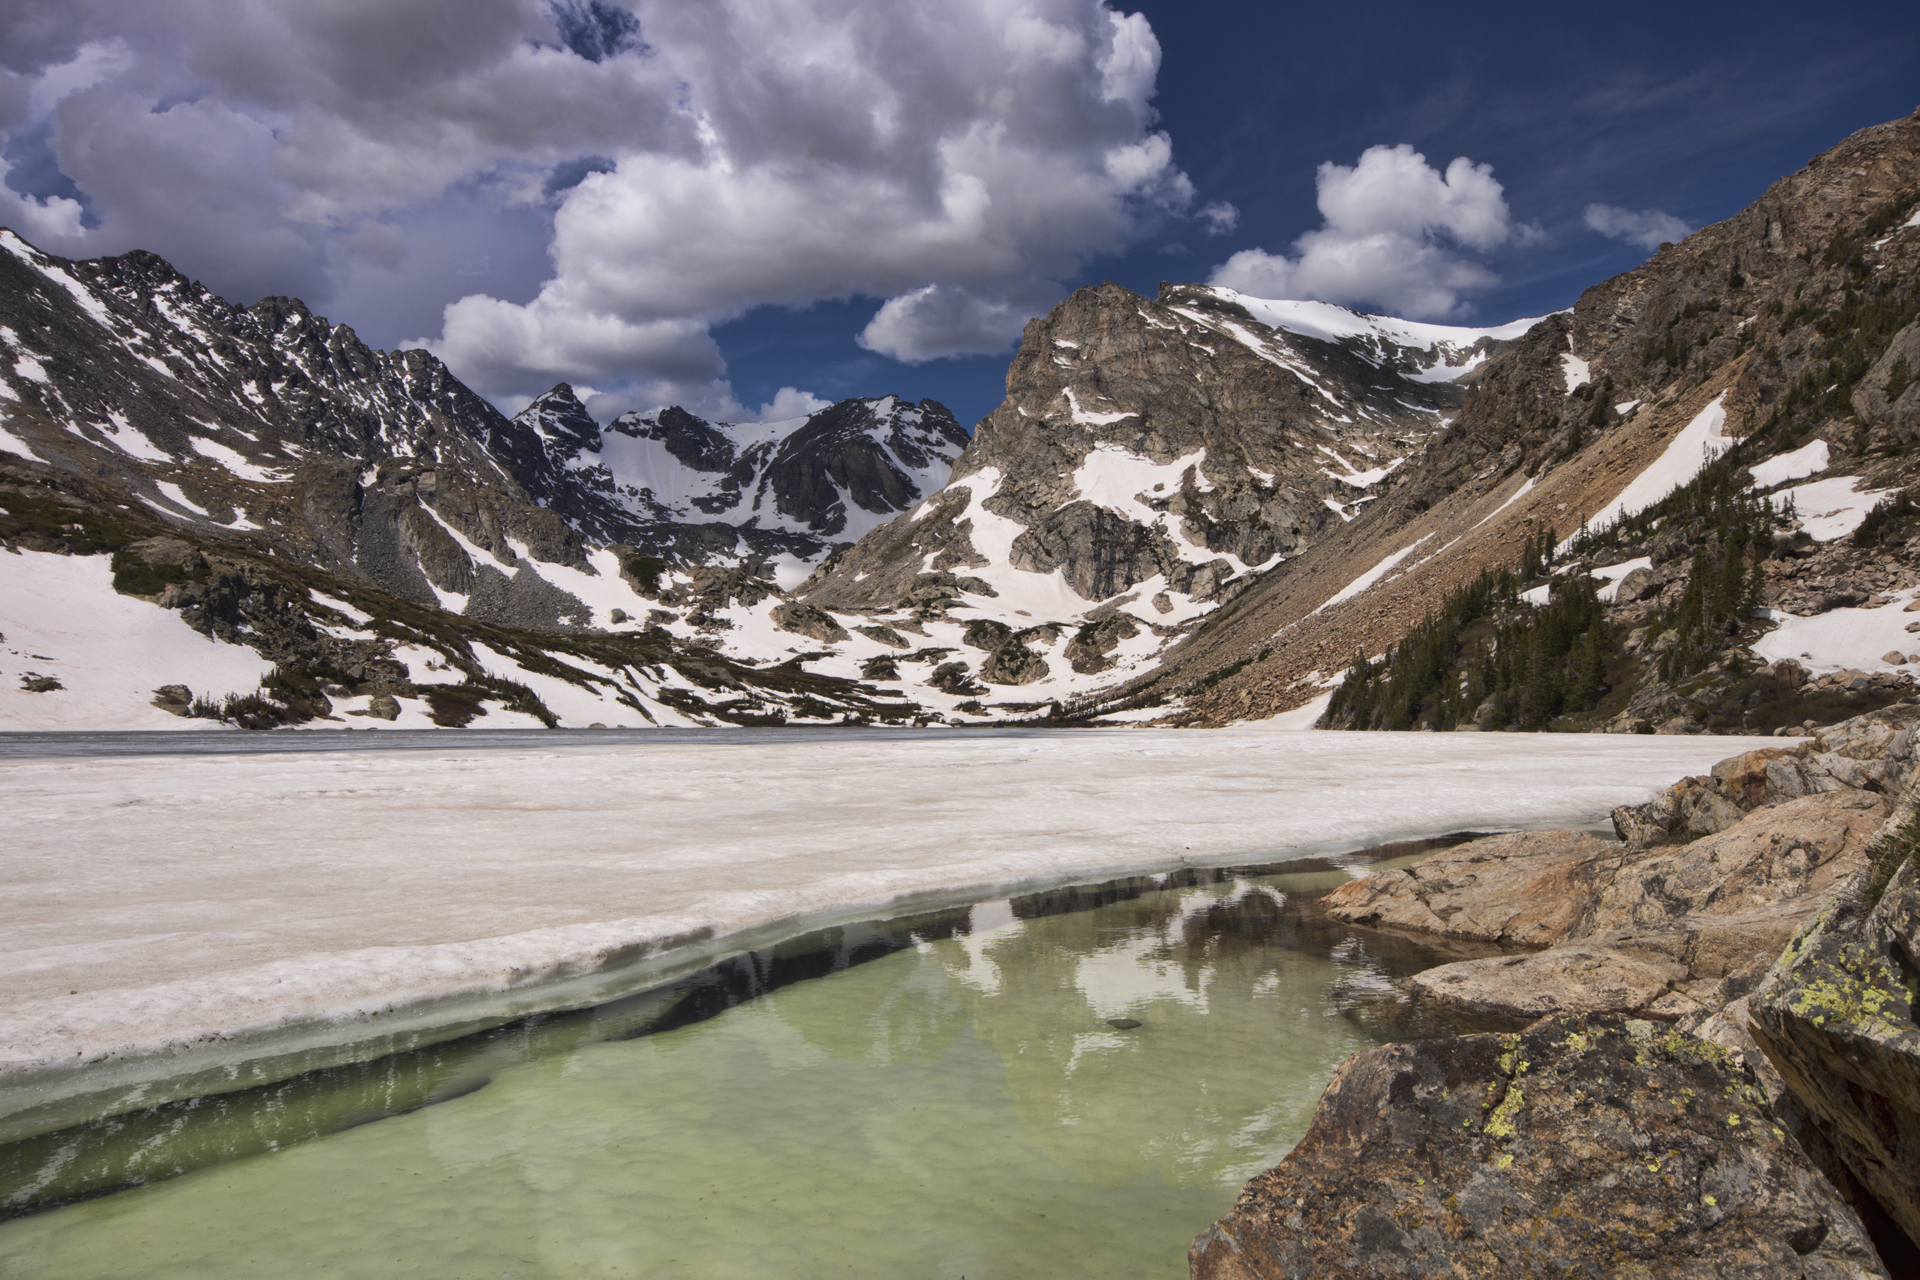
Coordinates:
x,y
172,905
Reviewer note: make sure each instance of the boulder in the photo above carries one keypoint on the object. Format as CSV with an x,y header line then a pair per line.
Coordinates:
x,y
1836,1018
1671,932
951,677
1570,979
1525,888
1690,808
1637,585
1791,854
806,620
1584,1146
1088,651
174,699
1013,663
884,635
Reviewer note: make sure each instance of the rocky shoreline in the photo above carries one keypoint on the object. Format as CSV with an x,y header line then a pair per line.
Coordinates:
x,y
1714,1063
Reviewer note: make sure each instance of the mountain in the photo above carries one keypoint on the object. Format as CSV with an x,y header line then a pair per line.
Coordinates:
x,y
775,493
1781,342
1198,507
236,460
1151,459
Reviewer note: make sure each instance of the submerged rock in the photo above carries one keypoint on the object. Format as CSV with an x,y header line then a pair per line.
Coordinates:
x,y
1585,1146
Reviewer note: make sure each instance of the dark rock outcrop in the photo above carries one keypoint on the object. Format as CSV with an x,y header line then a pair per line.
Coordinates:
x,y
1837,1018
1585,1146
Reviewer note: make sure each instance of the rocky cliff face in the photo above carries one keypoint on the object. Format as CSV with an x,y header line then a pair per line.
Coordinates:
x,y
687,489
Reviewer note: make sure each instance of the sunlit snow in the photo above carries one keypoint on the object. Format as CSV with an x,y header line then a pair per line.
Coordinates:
x,y
61,617
1698,443
1807,460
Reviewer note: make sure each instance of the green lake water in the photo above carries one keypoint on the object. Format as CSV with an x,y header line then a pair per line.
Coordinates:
x,y
938,1097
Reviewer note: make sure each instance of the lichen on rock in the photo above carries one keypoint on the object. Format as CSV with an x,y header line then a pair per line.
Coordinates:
x,y
1583,1146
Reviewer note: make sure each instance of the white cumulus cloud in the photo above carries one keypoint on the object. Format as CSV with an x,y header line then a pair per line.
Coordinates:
x,y
1399,234
1648,228
789,403
685,162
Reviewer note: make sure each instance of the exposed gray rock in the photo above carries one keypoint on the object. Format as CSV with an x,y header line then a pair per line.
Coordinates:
x,y
805,620
1836,1017
1584,1146
174,699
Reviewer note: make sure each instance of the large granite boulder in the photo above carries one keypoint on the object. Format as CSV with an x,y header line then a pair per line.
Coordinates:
x,y
1871,752
1671,933
1523,889
1588,1146
1558,980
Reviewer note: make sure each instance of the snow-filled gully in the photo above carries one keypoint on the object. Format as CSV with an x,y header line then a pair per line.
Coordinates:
x,y
303,909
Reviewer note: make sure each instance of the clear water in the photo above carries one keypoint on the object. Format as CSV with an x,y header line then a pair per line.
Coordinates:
x,y
939,1097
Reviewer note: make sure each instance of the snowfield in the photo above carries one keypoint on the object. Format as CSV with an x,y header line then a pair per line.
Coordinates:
x,y
176,916
61,618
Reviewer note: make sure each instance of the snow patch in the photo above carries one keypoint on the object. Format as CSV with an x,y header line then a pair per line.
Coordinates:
x,y
62,618
12,443
1842,639
172,493
1807,460
1088,418
1518,494
1698,443
1575,371
1371,576
234,461
1832,509
131,441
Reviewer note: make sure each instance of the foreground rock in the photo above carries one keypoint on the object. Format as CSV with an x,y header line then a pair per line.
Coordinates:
x,y
1836,1018
1584,1146
1667,933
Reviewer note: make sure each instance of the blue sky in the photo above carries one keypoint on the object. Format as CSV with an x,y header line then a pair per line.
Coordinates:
x,y
751,206
1690,109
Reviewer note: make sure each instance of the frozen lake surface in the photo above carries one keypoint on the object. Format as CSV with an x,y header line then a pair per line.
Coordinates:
x,y
171,912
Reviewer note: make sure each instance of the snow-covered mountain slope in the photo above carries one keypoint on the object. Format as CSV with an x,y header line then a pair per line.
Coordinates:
x,y
793,490
268,420
1152,457
240,464
1791,330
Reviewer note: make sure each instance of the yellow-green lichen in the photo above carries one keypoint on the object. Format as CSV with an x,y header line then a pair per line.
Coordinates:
x,y
1500,1123
1850,1002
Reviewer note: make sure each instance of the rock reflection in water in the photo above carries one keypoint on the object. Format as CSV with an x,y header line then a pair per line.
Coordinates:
x,y
953,1094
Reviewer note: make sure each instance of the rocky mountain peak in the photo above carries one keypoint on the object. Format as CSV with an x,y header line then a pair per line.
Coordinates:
x,y
1177,443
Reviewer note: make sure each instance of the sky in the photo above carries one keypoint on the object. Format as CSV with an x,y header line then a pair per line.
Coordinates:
x,y
754,207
